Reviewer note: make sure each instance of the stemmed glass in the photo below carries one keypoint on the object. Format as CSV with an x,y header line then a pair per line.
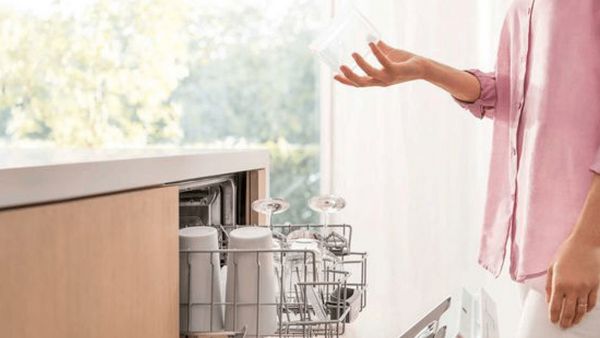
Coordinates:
x,y
326,204
270,207
321,241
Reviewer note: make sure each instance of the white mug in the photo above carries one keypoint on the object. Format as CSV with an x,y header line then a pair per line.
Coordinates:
x,y
205,271
244,270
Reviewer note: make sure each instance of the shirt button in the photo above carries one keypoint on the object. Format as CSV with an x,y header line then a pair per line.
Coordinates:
x,y
513,151
519,105
529,11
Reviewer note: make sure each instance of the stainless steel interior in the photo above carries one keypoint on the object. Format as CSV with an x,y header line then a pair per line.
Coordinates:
x,y
211,201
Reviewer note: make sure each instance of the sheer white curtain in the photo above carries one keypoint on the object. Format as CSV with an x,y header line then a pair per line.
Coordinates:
x,y
413,167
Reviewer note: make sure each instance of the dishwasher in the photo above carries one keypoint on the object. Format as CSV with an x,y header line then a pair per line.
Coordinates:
x,y
317,304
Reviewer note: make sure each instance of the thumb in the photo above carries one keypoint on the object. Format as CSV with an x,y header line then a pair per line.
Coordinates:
x,y
549,277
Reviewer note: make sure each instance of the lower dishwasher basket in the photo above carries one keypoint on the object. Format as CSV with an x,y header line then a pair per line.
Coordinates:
x,y
313,305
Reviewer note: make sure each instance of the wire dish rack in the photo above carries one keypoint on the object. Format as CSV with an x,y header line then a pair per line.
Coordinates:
x,y
314,297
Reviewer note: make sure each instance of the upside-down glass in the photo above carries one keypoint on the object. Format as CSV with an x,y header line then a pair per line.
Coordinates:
x,y
317,241
299,265
349,32
270,207
326,204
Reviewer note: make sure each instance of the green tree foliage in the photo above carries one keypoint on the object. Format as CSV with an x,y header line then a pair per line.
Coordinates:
x,y
99,77
259,80
295,177
113,73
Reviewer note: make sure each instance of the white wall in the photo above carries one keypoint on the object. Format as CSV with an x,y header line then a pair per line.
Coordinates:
x,y
412,166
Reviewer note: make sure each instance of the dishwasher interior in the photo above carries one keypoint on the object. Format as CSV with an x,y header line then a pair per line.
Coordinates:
x,y
316,297
212,201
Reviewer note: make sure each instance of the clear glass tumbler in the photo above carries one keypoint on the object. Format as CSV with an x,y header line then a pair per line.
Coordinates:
x,y
350,32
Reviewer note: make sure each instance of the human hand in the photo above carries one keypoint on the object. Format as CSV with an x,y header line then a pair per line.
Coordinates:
x,y
398,66
572,282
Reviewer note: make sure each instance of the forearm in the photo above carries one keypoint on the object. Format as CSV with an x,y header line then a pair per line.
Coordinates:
x,y
588,226
460,84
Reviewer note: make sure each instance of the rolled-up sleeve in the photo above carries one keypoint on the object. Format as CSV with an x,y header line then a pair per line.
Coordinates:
x,y
596,163
486,103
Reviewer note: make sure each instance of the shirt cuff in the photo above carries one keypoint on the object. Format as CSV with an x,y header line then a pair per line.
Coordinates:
x,y
596,164
487,98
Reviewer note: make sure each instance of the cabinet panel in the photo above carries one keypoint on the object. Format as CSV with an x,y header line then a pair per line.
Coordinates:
x,y
99,267
258,186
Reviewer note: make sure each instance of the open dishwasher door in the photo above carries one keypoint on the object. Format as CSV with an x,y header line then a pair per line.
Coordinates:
x,y
461,315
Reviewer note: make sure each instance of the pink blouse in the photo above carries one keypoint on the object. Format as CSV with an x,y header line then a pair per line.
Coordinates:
x,y
544,100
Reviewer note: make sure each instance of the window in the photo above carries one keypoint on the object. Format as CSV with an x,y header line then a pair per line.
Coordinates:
x,y
146,73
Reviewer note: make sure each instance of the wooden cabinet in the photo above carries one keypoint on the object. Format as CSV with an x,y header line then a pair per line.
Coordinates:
x,y
98,267
257,187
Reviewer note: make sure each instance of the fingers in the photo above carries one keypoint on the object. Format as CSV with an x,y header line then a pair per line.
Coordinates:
x,y
342,79
556,304
592,299
581,309
586,303
366,67
361,81
549,276
384,47
568,311
569,303
381,57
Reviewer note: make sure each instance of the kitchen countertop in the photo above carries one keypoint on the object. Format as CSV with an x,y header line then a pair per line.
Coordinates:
x,y
32,176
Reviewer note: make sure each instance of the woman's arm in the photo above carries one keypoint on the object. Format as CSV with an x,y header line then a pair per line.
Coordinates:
x,y
398,66
462,85
573,280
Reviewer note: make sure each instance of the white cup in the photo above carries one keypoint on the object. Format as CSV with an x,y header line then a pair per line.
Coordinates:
x,y
244,271
205,271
